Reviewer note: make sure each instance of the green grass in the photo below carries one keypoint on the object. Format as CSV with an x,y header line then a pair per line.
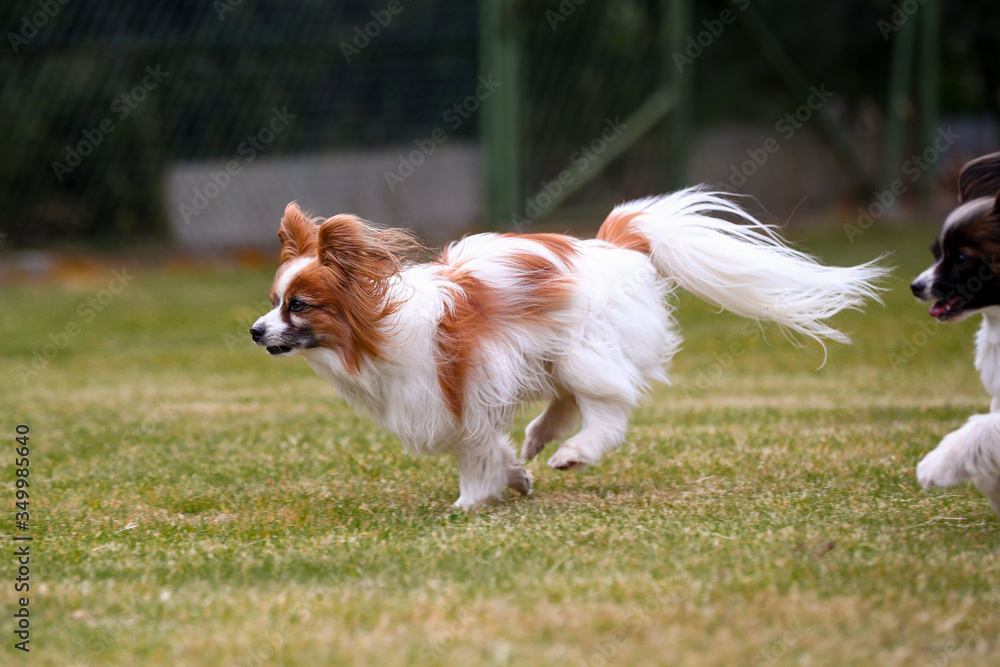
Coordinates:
x,y
197,503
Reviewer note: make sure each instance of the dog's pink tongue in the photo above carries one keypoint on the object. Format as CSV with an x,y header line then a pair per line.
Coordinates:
x,y
943,307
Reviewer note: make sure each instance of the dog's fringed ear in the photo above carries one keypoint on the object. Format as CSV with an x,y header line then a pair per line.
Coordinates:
x,y
297,234
341,240
354,251
980,178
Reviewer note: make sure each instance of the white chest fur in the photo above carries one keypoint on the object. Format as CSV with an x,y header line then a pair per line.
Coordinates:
x,y
988,354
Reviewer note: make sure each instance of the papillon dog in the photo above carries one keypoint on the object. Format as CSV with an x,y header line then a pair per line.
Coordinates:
x,y
963,281
444,352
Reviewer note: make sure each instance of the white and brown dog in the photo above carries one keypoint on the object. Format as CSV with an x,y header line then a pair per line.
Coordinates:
x,y
965,280
443,353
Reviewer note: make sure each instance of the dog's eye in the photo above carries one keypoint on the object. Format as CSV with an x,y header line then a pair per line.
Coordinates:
x,y
962,257
297,305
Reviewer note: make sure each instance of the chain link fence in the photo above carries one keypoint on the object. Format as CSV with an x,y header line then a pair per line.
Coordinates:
x,y
100,100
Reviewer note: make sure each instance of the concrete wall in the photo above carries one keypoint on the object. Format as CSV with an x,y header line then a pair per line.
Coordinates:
x,y
236,204
789,169
439,195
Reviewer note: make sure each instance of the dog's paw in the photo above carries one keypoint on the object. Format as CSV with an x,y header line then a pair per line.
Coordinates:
x,y
519,478
568,458
469,503
941,468
531,447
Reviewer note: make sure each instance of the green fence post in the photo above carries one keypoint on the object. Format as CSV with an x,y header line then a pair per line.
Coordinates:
x,y
500,127
899,86
928,86
674,31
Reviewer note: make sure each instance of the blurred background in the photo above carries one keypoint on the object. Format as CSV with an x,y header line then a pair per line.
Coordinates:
x,y
191,124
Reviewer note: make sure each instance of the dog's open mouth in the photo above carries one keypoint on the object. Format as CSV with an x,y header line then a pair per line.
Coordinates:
x,y
945,309
278,349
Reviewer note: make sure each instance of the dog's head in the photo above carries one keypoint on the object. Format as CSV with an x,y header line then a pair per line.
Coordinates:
x,y
965,276
331,290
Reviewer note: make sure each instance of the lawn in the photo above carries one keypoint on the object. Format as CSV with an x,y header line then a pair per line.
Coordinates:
x,y
194,502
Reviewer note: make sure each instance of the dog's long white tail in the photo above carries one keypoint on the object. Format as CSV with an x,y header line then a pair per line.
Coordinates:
x,y
744,267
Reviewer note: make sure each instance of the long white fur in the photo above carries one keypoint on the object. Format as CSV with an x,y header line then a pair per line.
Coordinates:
x,y
593,359
747,268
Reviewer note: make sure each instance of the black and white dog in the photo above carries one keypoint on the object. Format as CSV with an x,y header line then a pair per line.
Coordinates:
x,y
964,280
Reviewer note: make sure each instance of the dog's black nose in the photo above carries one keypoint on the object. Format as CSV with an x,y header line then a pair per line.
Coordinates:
x,y
256,332
916,286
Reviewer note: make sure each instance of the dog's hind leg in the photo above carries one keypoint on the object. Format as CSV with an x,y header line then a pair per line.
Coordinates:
x,y
604,421
558,418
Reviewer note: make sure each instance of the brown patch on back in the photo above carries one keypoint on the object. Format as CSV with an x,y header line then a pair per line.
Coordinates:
x,y
618,229
560,245
545,287
460,334
480,312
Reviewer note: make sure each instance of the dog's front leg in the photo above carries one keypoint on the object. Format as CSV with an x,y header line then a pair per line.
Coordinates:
x,y
990,487
972,451
945,465
487,466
